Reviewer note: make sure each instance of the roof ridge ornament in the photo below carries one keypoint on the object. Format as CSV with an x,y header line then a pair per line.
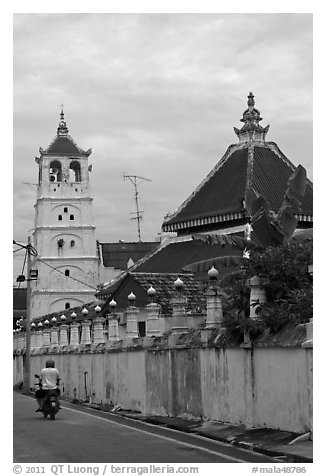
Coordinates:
x,y
62,129
251,130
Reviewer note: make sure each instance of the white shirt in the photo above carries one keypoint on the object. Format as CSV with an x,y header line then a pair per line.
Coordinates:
x,y
49,378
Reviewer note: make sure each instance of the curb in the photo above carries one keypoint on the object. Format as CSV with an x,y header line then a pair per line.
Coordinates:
x,y
279,456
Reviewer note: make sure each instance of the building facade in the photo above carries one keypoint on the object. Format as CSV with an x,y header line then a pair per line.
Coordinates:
x,y
64,233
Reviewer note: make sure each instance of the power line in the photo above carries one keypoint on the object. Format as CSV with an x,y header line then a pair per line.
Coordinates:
x,y
33,252
70,277
27,247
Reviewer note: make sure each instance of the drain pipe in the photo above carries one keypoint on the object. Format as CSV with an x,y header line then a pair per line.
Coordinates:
x,y
85,382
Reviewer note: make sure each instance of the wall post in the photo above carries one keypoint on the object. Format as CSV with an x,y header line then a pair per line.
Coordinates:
x,y
257,295
153,322
308,345
39,336
98,336
74,334
132,318
113,329
46,337
179,323
85,332
54,336
249,384
63,335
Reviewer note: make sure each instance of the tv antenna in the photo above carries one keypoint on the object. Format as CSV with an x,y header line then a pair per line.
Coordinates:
x,y
136,180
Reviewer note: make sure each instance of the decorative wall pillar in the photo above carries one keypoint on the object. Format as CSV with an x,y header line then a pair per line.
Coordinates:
x,y
309,333
33,335
214,316
132,318
46,335
113,323
85,333
39,336
63,335
113,329
98,327
250,399
257,294
20,340
15,340
153,315
24,340
54,336
74,334
179,303
308,345
153,320
214,311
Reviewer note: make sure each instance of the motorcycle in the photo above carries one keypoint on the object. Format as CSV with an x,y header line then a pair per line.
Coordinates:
x,y
51,404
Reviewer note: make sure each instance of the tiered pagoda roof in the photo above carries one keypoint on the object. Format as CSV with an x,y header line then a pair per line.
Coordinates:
x,y
218,202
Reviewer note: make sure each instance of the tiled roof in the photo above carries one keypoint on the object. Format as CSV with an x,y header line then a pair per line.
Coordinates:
x,y
270,176
220,196
193,290
173,257
223,192
63,145
117,255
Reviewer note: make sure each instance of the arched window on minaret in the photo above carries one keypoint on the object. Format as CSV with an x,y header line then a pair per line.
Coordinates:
x,y
75,173
55,173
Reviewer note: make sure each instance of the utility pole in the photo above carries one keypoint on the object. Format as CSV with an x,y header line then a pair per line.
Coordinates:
x,y
136,180
26,356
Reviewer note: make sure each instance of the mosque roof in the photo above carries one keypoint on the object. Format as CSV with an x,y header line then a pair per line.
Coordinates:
x,y
252,163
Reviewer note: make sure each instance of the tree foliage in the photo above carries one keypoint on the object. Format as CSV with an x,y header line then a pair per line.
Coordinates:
x,y
288,290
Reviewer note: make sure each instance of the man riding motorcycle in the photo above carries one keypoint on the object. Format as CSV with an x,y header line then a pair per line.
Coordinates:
x,y
50,379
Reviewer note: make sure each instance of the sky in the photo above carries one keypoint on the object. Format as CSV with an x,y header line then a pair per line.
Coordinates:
x,y
153,95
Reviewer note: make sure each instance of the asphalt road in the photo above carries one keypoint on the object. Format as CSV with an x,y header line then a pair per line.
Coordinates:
x,y
83,435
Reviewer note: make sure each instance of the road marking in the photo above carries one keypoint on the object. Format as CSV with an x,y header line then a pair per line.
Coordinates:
x,y
206,450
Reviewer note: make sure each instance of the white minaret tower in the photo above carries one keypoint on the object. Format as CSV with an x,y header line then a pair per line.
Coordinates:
x,y
64,234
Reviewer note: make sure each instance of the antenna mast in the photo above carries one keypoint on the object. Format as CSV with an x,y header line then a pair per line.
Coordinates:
x,y
136,180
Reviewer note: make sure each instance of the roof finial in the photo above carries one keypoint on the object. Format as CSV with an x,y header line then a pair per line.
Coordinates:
x,y
62,115
251,130
62,129
251,101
